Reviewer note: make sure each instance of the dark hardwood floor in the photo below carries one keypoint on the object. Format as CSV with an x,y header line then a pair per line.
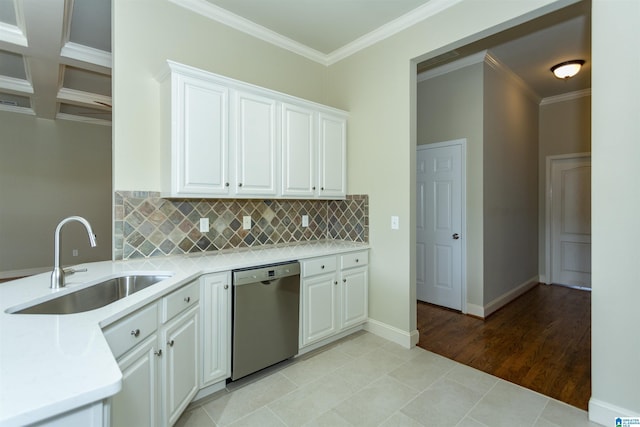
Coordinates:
x,y
541,341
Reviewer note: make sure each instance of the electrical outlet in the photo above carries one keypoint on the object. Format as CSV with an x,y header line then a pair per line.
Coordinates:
x,y
395,222
305,220
246,222
204,225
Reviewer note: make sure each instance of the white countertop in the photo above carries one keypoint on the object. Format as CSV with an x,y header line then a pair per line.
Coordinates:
x,y
50,364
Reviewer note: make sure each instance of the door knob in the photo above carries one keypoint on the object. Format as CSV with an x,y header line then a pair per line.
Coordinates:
x,y
455,236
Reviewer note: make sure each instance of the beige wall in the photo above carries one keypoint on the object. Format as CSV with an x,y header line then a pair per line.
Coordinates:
x,y
510,184
450,107
50,170
377,85
615,205
565,128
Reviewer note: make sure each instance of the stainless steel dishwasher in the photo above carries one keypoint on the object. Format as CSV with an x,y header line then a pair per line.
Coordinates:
x,y
266,303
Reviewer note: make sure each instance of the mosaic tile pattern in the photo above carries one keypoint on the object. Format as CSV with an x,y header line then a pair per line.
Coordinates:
x,y
146,225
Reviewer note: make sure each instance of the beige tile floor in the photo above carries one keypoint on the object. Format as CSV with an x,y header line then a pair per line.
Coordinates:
x,y
365,380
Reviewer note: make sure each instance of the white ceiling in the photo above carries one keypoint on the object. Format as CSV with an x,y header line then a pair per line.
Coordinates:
x,y
55,55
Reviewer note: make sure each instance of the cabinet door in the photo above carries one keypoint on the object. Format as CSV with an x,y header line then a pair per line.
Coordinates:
x,y
200,137
298,151
332,142
180,363
216,327
137,403
256,155
319,318
354,308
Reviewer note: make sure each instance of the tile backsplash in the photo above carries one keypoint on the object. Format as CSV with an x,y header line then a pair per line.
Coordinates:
x,y
146,225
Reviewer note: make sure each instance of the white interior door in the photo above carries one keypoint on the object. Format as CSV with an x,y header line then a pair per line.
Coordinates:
x,y
439,224
571,221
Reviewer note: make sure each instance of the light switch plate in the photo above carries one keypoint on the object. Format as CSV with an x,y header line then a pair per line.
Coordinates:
x,y
305,220
246,222
204,225
395,222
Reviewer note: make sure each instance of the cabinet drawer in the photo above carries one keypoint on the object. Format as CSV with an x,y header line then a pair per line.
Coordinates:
x,y
318,266
354,259
133,329
180,300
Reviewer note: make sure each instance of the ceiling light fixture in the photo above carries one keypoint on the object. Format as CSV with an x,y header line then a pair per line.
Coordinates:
x,y
567,69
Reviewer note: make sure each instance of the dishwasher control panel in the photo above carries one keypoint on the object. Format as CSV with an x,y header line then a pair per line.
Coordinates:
x,y
265,273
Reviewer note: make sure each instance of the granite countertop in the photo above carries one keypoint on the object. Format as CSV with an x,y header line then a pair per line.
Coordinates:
x,y
50,364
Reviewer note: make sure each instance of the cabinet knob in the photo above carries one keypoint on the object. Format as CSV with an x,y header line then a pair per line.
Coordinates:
x,y
357,260
335,282
158,352
226,184
322,267
187,299
135,332
239,184
313,188
226,286
344,280
321,188
170,343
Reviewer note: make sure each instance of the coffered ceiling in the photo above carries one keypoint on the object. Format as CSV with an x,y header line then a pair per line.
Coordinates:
x,y
55,59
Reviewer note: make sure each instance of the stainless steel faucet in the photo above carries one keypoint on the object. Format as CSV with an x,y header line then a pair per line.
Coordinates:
x,y
57,276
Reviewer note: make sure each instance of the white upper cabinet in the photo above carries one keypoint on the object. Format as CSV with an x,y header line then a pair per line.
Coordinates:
x,y
199,131
256,145
298,151
225,138
332,163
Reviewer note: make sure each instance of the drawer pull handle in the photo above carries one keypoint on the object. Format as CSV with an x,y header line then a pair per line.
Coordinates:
x,y
135,332
170,343
187,299
158,353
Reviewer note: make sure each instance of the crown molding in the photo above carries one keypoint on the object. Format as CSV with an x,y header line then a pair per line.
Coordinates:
x,y
88,120
391,28
566,97
86,54
502,68
85,99
12,35
15,86
16,109
458,64
211,11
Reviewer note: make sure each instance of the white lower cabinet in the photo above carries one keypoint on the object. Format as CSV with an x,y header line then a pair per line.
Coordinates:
x,y
215,319
137,402
334,295
180,364
157,351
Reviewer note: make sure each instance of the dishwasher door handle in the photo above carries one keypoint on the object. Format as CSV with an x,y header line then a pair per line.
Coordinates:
x,y
267,282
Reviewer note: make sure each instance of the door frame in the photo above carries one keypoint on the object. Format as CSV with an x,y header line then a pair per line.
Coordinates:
x,y
462,142
548,201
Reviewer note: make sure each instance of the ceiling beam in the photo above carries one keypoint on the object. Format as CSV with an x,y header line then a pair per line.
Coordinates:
x,y
45,25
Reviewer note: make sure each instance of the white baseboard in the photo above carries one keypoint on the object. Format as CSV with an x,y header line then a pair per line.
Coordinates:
x,y
543,279
475,310
506,298
391,333
502,300
605,413
22,273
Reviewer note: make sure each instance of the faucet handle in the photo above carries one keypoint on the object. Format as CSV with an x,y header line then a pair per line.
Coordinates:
x,y
70,270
